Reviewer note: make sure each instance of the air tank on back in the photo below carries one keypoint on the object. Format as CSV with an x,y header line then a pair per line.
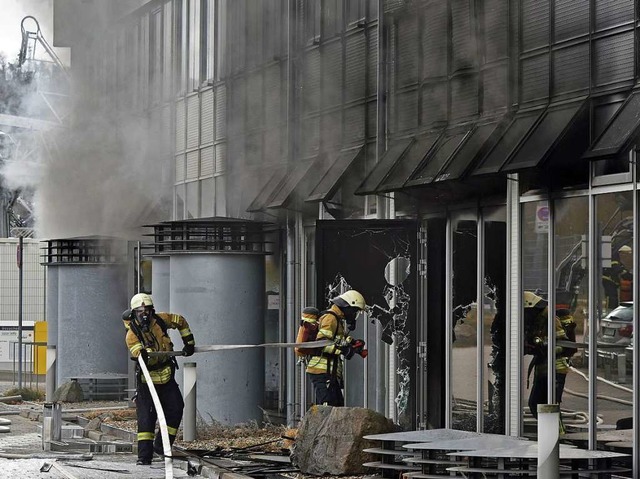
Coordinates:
x,y
91,288
217,283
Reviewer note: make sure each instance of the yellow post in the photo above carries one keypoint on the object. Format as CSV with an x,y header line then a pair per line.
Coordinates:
x,y
40,352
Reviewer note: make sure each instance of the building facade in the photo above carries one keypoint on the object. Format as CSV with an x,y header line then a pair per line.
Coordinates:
x,y
443,157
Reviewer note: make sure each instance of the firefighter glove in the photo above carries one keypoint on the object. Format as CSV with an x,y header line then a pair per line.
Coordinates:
x,y
188,349
347,351
144,354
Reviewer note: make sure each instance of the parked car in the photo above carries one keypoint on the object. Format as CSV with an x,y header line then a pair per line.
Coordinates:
x,y
617,326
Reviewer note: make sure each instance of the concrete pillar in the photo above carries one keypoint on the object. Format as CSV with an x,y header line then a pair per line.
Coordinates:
x,y
222,295
52,320
91,298
160,278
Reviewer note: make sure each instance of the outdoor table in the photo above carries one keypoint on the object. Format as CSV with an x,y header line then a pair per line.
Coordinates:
x,y
387,464
500,462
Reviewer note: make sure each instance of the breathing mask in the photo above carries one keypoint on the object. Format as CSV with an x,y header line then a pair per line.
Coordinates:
x,y
143,317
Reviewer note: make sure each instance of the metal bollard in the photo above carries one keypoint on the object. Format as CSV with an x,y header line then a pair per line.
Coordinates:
x,y
51,424
189,423
548,441
50,381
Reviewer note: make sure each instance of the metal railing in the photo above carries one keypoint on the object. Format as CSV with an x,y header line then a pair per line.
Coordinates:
x,y
32,355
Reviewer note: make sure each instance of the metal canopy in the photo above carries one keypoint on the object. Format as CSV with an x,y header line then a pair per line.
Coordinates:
x,y
379,173
407,164
435,161
546,135
292,183
513,135
620,130
464,157
269,189
332,179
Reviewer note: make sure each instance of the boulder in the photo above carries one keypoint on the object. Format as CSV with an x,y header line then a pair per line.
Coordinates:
x,y
330,440
68,392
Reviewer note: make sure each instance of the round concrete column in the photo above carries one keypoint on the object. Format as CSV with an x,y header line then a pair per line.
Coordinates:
x,y
91,298
222,297
160,280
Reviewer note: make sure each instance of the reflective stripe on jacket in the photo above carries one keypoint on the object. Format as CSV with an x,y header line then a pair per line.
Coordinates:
x,y
330,360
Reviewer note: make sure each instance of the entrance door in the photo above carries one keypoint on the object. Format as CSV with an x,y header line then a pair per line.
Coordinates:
x,y
379,259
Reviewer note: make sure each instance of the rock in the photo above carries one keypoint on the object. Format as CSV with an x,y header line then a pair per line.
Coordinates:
x,y
330,440
68,392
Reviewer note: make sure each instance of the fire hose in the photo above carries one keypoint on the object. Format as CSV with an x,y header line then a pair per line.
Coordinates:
x,y
168,460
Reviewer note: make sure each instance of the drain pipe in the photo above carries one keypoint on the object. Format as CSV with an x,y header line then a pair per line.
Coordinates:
x,y
548,437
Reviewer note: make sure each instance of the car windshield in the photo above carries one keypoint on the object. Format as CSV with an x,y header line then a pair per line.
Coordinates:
x,y
624,313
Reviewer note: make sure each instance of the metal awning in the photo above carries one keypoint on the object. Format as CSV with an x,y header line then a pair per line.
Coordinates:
x,y
267,191
439,157
379,173
620,131
407,164
512,136
547,134
291,183
472,147
332,178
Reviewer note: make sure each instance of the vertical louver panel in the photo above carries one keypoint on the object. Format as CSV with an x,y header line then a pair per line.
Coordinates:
x,y
254,100
372,61
407,63
221,111
332,129
193,123
463,41
207,124
535,28
434,40
571,18
253,152
206,161
614,58
356,63
354,124
273,96
165,129
273,142
181,125
332,74
464,96
496,31
407,110
311,85
311,137
610,13
236,111
221,158
191,172
495,81
180,168
434,103
535,78
571,69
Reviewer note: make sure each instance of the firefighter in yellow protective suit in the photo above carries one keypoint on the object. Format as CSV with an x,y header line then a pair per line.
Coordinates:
x,y
536,339
147,332
325,369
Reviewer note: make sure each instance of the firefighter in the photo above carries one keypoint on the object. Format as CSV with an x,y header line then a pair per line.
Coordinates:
x,y
147,332
535,325
325,369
